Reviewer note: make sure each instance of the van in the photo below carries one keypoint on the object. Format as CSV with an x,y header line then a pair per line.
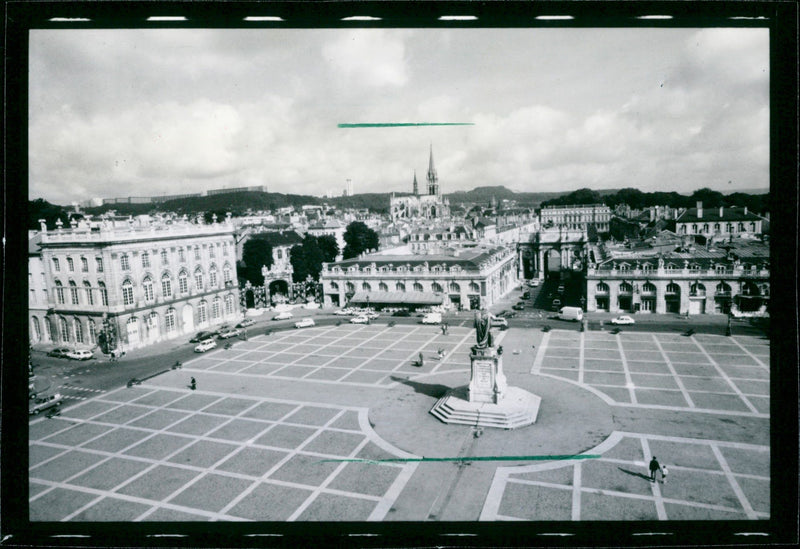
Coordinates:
x,y
571,313
432,318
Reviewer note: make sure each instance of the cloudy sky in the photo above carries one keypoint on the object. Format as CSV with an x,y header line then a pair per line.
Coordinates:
x,y
117,113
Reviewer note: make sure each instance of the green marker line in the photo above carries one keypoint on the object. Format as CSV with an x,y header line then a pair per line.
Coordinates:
x,y
404,124
476,458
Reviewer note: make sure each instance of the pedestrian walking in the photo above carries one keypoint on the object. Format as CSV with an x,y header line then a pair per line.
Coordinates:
x,y
654,466
421,361
664,473
193,384
440,352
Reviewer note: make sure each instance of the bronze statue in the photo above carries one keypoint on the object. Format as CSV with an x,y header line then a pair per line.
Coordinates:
x,y
482,334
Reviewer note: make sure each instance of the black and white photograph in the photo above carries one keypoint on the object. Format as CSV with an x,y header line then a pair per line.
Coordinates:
x,y
365,274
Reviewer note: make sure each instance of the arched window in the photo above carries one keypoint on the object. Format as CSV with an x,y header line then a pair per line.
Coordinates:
x,y
212,276
63,329
202,312
748,288
73,292
474,287
37,330
350,288
198,279
716,227
166,286
697,289
752,226
366,287
145,260
648,288
694,228
705,227
436,287
48,329
454,288
723,289
334,286
673,288
765,290
602,288
741,227
383,287
147,289
683,229
183,282
151,321
92,332
78,329
89,292
216,308
127,293
226,273
59,293
56,265
625,288
400,287
103,294
169,320
417,287
229,308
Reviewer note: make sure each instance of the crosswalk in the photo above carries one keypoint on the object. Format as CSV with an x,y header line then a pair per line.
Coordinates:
x,y
66,389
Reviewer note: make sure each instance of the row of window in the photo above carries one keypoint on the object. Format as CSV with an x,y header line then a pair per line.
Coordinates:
x,y
75,331
84,264
400,269
147,287
694,267
705,228
696,289
125,263
400,287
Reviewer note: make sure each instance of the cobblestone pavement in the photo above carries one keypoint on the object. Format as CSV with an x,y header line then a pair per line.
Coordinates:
x,y
332,423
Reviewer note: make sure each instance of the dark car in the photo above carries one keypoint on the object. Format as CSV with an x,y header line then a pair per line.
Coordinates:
x,y
200,336
401,313
526,295
518,306
245,323
60,352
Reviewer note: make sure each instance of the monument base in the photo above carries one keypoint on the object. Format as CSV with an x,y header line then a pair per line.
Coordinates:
x,y
518,408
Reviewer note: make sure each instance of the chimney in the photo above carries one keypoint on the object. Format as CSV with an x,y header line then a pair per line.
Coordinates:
x,y
720,211
699,209
745,210
652,214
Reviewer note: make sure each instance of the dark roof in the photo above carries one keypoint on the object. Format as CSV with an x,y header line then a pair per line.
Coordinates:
x,y
281,238
711,215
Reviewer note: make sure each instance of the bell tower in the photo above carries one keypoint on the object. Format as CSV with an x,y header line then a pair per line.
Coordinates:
x,y
433,179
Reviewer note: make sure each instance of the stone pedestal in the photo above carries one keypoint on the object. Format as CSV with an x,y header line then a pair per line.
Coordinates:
x,y
487,401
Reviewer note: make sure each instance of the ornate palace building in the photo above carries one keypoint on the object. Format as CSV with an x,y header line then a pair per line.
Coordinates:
x,y
471,278
692,281
582,218
427,206
130,285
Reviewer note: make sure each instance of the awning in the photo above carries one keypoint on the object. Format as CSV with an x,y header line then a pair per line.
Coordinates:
x,y
405,298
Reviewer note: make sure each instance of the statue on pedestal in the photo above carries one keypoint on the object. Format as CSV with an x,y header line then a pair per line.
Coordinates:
x,y
483,334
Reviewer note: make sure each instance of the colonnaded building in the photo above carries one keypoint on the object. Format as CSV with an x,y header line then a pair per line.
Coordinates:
x,y
128,285
465,277
731,278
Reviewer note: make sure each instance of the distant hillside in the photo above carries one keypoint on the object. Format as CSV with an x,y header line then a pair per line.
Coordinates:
x,y
484,195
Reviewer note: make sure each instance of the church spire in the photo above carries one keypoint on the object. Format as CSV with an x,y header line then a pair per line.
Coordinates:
x,y
416,187
433,179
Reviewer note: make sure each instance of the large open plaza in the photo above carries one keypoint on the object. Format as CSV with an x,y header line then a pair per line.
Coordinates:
x,y
332,423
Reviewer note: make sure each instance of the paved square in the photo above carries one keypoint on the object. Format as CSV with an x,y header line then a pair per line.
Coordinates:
x,y
332,423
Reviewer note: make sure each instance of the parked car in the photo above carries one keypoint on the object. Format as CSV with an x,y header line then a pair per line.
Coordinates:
x,y
342,312
80,354
285,315
526,295
518,306
206,345
432,318
561,288
361,319
230,332
245,323
556,304
402,312
371,315
304,323
60,352
201,336
43,403
533,283
621,320
499,322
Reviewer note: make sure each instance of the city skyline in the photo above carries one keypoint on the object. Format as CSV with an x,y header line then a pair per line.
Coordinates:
x,y
549,110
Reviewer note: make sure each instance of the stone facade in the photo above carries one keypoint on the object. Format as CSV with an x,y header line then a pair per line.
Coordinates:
x,y
137,284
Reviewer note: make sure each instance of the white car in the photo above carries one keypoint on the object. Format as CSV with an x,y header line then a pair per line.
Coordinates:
x,y
371,314
228,333
80,354
342,312
285,315
622,320
497,321
304,323
40,404
206,345
361,319
533,283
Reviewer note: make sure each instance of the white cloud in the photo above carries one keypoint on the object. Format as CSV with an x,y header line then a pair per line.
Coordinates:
x,y
371,57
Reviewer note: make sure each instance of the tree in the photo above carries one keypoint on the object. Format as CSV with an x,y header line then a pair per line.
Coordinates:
x,y
306,259
256,253
358,239
42,209
329,247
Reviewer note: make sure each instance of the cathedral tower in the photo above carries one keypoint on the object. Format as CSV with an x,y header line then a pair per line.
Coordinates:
x,y
416,187
433,179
